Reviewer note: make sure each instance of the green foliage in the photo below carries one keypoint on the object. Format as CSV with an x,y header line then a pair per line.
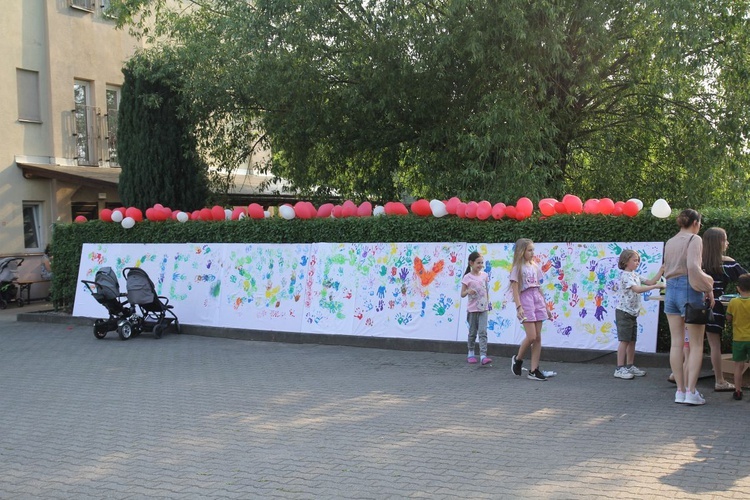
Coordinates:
x,y
479,99
68,238
155,143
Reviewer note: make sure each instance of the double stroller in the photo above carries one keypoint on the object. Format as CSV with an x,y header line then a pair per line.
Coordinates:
x,y
8,279
138,310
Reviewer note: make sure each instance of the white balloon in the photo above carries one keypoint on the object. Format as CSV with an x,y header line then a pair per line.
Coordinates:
x,y
378,210
128,222
661,209
438,208
266,214
286,212
117,216
227,214
182,217
638,202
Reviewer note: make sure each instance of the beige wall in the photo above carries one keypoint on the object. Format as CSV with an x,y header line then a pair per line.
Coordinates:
x,y
62,44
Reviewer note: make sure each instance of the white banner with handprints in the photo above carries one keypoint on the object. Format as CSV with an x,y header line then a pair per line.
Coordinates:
x,y
399,290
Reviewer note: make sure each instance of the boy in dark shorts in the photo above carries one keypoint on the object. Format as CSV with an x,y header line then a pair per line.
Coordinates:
x,y
628,309
738,314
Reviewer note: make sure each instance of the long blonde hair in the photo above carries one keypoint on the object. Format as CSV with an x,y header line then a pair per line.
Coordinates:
x,y
521,245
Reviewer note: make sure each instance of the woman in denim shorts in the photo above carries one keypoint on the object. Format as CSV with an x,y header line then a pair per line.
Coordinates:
x,y
686,282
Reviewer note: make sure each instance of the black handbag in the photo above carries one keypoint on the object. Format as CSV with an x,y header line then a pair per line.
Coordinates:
x,y
698,314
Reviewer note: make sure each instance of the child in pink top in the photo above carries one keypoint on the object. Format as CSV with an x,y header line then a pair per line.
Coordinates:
x,y
475,285
531,307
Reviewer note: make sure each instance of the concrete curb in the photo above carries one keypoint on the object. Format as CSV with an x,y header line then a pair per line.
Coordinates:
x,y
551,354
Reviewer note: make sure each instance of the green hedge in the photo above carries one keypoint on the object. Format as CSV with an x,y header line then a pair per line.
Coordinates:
x,y
68,238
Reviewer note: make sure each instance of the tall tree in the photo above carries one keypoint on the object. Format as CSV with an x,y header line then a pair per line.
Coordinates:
x,y
155,142
484,99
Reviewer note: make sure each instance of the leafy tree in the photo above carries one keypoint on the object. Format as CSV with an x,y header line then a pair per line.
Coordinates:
x,y
484,99
155,142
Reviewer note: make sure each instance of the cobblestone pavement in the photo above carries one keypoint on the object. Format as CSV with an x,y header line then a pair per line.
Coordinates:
x,y
198,417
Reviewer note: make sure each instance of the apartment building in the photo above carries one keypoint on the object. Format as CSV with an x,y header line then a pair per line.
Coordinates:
x,y
61,77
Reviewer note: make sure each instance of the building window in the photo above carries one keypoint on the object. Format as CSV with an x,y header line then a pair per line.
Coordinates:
x,y
113,103
107,8
84,121
87,5
29,109
32,226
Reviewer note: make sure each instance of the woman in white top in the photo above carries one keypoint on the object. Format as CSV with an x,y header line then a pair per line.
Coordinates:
x,y
686,283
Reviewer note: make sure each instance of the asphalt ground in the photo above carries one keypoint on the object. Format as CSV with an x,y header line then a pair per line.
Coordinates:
x,y
188,416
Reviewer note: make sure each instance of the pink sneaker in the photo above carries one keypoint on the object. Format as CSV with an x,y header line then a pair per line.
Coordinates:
x,y
486,361
472,360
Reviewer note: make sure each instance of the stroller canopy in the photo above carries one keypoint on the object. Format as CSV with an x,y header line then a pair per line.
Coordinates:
x,y
107,285
9,268
140,287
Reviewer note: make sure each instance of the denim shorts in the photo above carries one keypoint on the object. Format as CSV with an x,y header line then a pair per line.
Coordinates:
x,y
678,293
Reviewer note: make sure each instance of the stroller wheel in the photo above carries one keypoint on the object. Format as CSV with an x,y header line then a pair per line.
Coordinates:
x,y
20,302
158,330
125,330
100,330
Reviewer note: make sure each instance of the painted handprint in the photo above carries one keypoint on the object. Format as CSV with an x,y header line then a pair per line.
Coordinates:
x,y
443,304
600,310
381,292
403,319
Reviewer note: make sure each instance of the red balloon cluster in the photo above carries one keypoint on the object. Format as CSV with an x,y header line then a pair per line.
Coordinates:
x,y
572,204
482,210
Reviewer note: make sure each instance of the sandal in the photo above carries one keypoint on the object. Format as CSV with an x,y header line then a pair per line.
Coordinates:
x,y
723,387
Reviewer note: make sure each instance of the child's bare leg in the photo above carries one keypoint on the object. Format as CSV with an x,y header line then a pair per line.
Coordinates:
x,y
536,345
630,353
714,342
621,352
739,368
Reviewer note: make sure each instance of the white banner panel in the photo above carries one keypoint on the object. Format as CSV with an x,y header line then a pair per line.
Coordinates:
x,y
400,290
580,286
263,286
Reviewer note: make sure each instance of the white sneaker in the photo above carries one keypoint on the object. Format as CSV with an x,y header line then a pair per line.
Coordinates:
x,y
637,372
679,397
694,398
623,373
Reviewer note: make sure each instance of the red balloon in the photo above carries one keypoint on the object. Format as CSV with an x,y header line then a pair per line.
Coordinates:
x,y
134,213
195,215
573,204
520,216
630,208
325,210
498,211
206,214
158,206
591,206
484,210
461,210
349,209
300,210
174,214
525,206
80,219
552,201
338,211
421,208
400,209
471,210
365,209
617,210
511,211
151,214
606,206
217,213
121,210
255,211
237,212
547,208
164,214
105,214
560,208
451,205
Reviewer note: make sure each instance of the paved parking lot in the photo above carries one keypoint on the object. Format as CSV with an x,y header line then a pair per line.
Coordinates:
x,y
199,417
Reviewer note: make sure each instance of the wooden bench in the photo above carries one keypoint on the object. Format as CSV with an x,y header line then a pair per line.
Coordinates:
x,y
25,286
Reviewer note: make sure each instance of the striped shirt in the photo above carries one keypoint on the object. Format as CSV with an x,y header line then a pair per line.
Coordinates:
x,y
731,271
